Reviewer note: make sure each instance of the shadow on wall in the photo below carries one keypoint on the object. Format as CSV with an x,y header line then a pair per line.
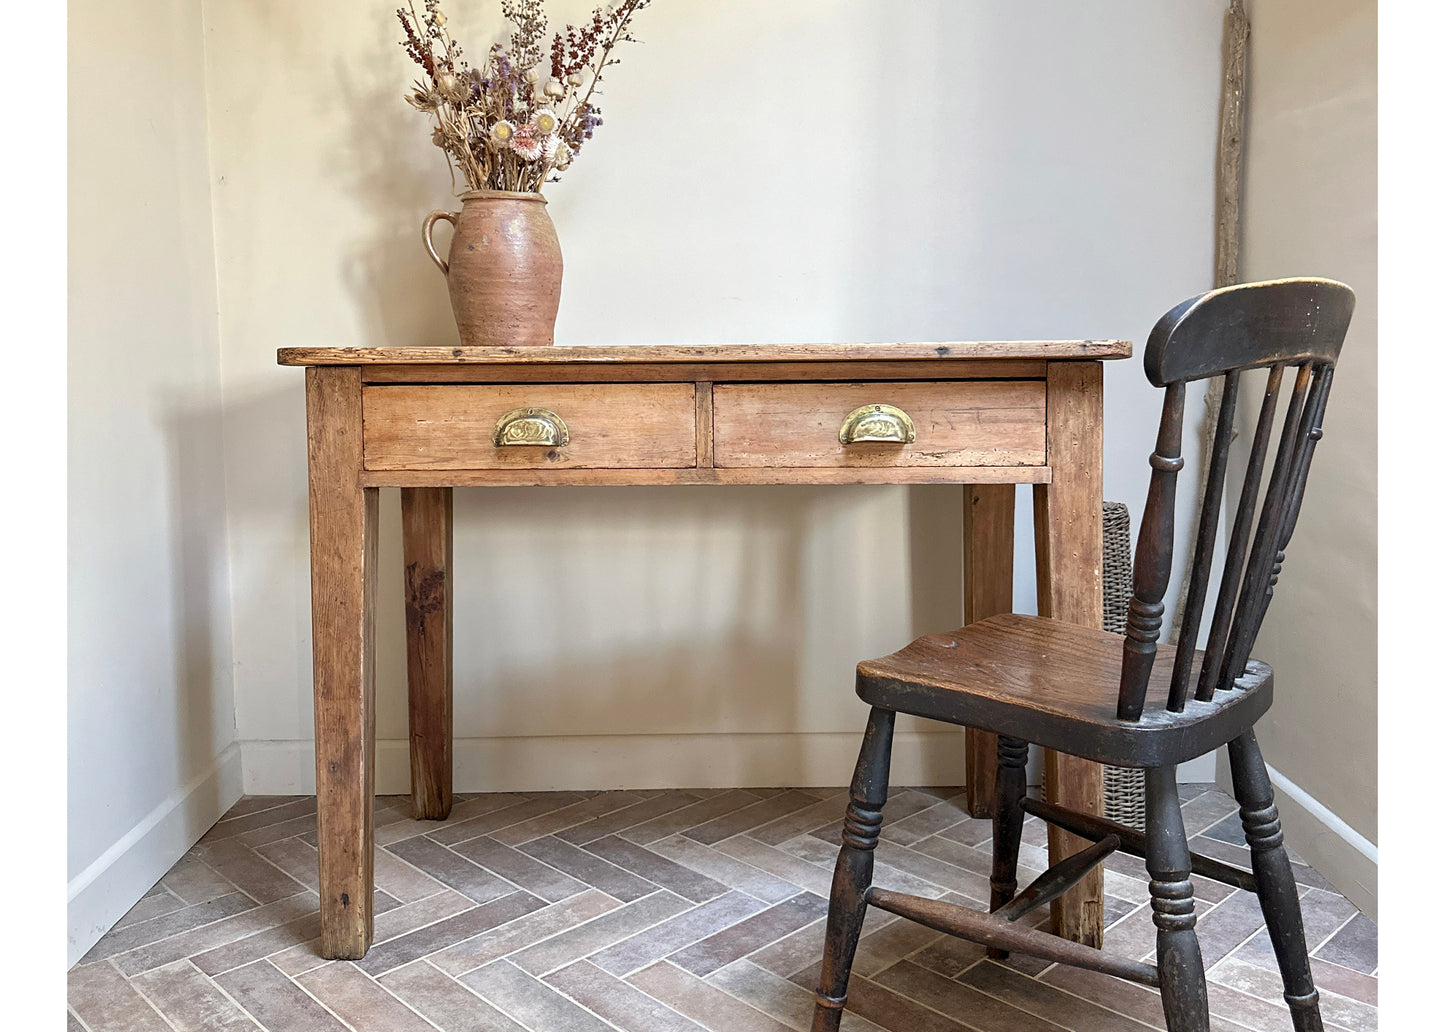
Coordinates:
x,y
402,296
200,588
270,577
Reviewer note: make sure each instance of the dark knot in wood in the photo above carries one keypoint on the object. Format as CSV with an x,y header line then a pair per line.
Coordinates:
x,y
425,594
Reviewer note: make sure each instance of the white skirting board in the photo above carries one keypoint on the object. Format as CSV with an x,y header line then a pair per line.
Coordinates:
x,y
1318,836
100,895
802,759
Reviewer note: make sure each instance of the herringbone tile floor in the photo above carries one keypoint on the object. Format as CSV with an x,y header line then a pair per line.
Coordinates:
x,y
658,911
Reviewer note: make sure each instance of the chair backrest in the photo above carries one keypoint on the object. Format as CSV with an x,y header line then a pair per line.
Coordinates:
x,y
1280,325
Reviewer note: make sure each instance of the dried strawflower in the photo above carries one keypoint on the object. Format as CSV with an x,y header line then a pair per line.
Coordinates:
x,y
503,131
527,143
545,121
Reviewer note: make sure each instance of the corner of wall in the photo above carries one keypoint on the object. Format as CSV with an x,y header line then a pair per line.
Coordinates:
x,y
101,894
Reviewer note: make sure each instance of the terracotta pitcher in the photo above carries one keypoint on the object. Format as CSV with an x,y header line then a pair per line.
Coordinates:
x,y
504,269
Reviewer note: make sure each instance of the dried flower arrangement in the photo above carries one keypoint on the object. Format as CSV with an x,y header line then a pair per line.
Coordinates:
x,y
523,116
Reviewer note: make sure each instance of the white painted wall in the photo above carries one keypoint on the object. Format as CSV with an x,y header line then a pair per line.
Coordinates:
x,y
1310,209
801,171
152,760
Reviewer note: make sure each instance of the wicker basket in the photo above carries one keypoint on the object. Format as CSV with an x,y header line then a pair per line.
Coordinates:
x,y
1123,786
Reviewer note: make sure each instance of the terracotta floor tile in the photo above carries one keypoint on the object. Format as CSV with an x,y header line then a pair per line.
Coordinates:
x,y
1267,985
677,821
724,935
492,822
691,996
196,882
451,869
676,933
444,1001
723,947
106,1002
581,812
157,904
738,821
1026,994
1354,946
532,1002
589,868
533,929
278,1003
624,1005
360,1001
965,1004
627,817
218,933
249,871
434,938
143,933
525,872
190,1001
765,991
825,812
726,869
599,933
657,869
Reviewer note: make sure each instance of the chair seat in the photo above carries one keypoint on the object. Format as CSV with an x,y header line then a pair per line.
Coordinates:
x,y
1057,685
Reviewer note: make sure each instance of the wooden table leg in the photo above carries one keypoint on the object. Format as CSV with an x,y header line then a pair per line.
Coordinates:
x,y
1069,544
988,589
426,543
343,578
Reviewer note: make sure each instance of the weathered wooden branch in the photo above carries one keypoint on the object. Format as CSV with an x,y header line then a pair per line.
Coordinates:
x,y
1228,170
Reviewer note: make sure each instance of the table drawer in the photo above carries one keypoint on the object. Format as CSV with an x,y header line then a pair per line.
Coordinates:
x,y
570,426
961,423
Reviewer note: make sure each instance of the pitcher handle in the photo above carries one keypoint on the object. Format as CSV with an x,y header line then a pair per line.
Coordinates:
x,y
426,228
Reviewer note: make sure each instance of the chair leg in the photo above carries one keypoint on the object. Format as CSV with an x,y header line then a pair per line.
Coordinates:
x,y
1274,879
1008,824
1181,967
848,901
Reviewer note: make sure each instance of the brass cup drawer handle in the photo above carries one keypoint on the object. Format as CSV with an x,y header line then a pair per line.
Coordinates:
x,y
872,424
530,428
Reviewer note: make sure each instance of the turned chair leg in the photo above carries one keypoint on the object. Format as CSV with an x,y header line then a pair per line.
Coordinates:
x,y
1181,967
848,902
1008,824
1274,879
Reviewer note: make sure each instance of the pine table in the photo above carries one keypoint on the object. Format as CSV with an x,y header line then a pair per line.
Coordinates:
x,y
986,415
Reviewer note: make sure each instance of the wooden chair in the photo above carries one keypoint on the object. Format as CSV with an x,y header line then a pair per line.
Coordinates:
x,y
1105,698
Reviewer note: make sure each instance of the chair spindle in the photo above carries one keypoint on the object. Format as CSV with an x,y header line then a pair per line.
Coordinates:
x,y
1204,545
1249,609
1239,538
1153,558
